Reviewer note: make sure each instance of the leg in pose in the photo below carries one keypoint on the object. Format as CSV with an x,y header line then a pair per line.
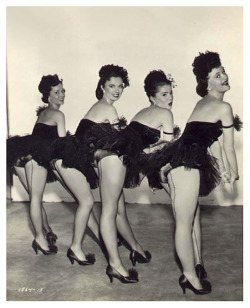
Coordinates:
x,y
76,182
111,176
196,235
196,230
36,179
22,178
125,230
184,201
59,171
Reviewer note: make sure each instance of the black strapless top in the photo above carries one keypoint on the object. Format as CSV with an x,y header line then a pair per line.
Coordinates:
x,y
45,131
83,126
203,133
147,134
93,130
102,135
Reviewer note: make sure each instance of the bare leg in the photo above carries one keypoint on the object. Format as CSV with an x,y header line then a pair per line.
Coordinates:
x,y
22,178
78,185
36,180
124,227
196,235
111,176
184,201
196,231
92,222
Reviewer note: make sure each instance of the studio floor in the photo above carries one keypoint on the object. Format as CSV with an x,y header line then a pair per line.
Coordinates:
x,y
32,277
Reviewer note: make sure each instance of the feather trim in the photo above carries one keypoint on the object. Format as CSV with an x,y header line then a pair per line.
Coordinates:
x,y
238,124
40,109
177,131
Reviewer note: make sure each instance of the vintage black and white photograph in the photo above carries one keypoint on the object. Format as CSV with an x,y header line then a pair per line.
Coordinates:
x,y
124,152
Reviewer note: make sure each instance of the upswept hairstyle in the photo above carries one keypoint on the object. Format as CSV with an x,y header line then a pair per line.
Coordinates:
x,y
202,66
153,80
45,86
108,71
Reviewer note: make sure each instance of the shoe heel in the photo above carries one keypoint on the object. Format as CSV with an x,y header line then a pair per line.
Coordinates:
x,y
71,260
183,289
110,278
35,248
133,258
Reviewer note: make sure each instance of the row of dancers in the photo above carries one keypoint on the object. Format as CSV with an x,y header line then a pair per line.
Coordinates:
x,y
109,153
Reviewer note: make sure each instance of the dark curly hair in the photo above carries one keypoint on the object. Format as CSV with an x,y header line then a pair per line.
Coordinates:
x,y
45,85
108,71
153,80
202,66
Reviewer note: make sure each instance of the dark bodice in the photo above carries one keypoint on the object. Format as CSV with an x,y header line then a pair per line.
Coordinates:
x,y
37,146
90,129
45,131
148,135
83,126
202,133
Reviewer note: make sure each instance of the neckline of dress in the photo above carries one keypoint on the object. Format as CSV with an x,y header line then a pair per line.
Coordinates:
x,y
146,126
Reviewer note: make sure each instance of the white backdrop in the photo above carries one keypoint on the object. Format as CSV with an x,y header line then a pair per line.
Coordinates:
x,y
75,42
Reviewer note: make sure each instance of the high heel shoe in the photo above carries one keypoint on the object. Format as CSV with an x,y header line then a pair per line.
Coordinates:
x,y
186,284
51,238
51,251
90,258
135,256
113,273
200,271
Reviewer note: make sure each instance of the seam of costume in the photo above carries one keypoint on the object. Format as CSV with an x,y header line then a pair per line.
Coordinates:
x,y
195,237
172,198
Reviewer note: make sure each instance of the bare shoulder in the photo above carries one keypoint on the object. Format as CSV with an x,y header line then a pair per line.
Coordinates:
x,y
222,104
102,111
225,108
101,105
111,113
140,113
58,115
165,114
226,105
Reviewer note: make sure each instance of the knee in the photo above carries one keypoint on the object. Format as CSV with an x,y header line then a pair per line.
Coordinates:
x,y
36,200
86,202
184,220
109,212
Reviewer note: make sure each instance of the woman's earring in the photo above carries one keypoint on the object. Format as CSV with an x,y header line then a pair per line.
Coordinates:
x,y
209,89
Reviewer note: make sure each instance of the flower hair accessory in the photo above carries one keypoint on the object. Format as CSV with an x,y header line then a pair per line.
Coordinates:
x,y
171,79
